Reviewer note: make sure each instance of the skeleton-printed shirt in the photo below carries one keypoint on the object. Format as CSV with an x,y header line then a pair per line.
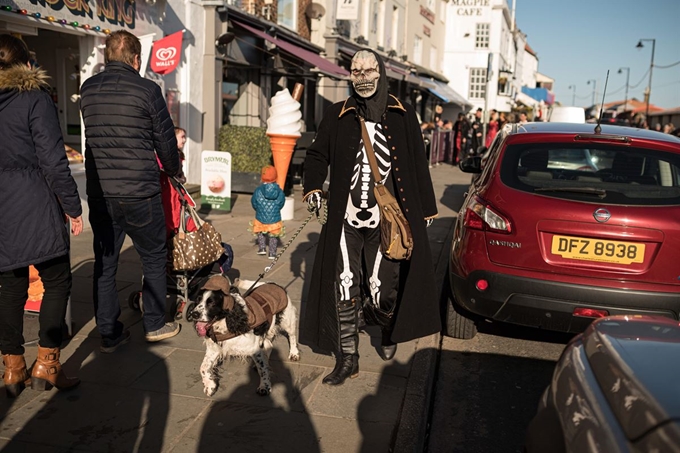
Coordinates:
x,y
362,209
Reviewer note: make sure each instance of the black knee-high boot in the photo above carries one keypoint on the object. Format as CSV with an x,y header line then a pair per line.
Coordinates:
x,y
347,360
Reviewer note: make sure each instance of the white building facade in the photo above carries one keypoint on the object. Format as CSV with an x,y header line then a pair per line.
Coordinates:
x,y
483,53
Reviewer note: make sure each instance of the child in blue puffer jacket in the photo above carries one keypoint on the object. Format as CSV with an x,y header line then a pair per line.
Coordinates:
x,y
268,200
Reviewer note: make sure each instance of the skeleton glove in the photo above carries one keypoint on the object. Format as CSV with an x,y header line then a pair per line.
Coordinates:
x,y
428,222
314,202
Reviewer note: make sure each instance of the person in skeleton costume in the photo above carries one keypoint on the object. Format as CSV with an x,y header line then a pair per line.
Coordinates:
x,y
349,266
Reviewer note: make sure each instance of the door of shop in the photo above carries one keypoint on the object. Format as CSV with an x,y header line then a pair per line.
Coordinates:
x,y
68,89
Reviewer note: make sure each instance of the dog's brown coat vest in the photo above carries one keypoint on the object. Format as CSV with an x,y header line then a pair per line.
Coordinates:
x,y
263,303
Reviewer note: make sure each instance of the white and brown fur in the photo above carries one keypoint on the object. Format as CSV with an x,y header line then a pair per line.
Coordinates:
x,y
250,343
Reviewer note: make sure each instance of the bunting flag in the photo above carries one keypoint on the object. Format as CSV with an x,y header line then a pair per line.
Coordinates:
x,y
167,53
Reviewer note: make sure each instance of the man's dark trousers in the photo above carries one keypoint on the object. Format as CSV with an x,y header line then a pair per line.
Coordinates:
x,y
143,220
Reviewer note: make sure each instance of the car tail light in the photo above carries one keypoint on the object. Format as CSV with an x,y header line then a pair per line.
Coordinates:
x,y
590,312
482,284
479,215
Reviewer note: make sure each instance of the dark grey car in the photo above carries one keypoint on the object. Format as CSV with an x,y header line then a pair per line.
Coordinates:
x,y
616,388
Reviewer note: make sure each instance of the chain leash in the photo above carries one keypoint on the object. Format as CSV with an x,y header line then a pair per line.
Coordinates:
x,y
321,216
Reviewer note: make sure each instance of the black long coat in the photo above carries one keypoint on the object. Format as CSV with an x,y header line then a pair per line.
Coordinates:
x,y
336,144
36,186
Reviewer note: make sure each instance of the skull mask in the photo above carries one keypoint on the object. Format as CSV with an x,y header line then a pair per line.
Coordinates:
x,y
365,73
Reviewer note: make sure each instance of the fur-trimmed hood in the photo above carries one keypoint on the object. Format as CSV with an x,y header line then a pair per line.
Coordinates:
x,y
22,78
19,79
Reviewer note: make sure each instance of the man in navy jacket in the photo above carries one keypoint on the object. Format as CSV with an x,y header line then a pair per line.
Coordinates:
x,y
128,130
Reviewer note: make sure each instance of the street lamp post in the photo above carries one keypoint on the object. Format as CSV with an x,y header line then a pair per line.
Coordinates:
x,y
594,89
651,66
625,103
573,94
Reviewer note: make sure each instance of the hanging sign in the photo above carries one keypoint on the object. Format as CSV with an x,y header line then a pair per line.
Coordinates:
x,y
167,53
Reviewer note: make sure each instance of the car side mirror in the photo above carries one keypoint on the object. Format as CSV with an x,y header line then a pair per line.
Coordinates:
x,y
471,164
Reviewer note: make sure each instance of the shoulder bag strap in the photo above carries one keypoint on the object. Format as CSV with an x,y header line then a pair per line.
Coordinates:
x,y
370,153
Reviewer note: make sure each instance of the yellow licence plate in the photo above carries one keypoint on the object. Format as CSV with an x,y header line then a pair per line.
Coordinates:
x,y
587,249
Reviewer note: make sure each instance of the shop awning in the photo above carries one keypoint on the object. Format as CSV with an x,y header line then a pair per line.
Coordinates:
x,y
448,95
525,99
324,66
443,91
425,83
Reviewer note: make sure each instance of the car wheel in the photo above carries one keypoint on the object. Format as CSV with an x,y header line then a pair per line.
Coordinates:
x,y
458,323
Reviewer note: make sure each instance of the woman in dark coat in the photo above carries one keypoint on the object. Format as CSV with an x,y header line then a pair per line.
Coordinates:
x,y
351,233
36,190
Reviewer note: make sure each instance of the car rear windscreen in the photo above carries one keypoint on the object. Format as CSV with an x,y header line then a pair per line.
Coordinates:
x,y
594,172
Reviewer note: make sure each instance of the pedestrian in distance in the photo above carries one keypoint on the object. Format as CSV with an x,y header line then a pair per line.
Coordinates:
x,y
127,125
475,134
349,269
39,197
492,128
460,136
267,201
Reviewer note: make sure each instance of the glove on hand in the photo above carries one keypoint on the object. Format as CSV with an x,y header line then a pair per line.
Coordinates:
x,y
314,202
429,222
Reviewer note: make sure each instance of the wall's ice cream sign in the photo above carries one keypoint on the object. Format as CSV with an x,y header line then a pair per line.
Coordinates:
x,y
167,53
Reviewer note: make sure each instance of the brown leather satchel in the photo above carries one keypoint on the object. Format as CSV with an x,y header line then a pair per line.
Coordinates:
x,y
396,241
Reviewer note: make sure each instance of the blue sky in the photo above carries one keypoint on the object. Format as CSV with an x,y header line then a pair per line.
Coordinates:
x,y
579,40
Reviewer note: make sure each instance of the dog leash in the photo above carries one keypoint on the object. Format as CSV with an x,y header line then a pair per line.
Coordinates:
x,y
322,217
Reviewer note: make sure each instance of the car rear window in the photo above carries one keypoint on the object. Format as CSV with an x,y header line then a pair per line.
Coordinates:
x,y
594,172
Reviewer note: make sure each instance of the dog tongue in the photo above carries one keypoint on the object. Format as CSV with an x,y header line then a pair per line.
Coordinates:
x,y
201,328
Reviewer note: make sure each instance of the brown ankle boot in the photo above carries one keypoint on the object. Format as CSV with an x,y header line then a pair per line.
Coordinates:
x,y
47,372
16,375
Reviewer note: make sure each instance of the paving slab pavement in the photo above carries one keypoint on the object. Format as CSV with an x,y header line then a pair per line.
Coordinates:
x,y
149,397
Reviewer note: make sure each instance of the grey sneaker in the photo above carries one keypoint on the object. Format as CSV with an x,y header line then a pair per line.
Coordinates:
x,y
169,330
108,345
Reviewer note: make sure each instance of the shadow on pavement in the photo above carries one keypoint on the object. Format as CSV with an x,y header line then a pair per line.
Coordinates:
x,y
453,196
375,412
484,402
266,423
502,329
110,411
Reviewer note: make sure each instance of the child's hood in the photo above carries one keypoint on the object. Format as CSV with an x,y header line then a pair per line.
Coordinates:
x,y
271,191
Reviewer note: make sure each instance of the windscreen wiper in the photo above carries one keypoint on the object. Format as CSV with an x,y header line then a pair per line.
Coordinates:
x,y
601,193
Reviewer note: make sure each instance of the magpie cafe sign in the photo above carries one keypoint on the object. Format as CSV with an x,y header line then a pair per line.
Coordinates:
x,y
470,7
167,53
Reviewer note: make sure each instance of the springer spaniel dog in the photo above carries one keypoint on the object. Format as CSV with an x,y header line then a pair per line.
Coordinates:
x,y
234,326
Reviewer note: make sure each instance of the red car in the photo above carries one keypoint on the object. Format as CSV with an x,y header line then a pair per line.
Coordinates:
x,y
566,223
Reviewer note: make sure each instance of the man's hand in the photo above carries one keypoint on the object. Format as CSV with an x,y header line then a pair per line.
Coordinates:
x,y
428,223
76,225
314,202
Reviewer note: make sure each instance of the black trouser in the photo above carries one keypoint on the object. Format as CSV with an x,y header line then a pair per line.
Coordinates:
x,y
56,278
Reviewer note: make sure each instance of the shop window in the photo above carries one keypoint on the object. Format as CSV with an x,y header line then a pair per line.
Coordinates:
x,y
287,14
482,36
239,97
504,85
434,59
477,83
418,50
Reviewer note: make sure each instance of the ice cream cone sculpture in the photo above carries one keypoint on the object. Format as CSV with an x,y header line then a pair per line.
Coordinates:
x,y
283,129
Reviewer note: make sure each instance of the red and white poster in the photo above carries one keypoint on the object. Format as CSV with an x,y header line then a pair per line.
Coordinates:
x,y
166,53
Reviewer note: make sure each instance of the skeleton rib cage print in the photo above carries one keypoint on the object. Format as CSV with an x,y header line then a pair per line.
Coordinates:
x,y
362,209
